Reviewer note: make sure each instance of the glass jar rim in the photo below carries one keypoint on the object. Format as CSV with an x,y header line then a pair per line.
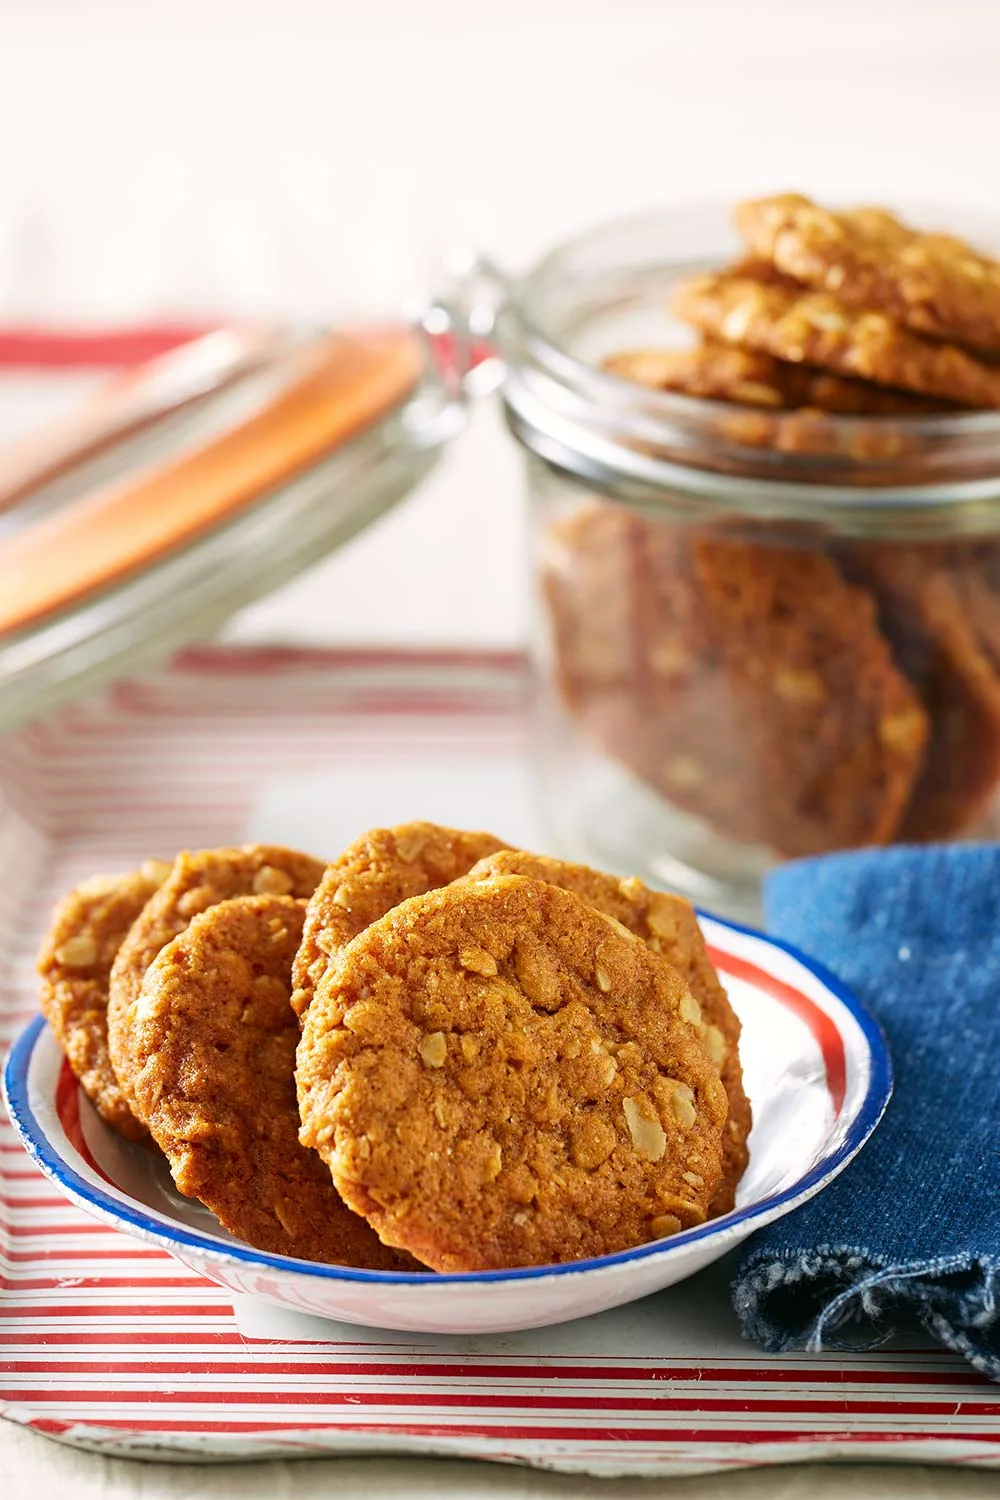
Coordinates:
x,y
625,437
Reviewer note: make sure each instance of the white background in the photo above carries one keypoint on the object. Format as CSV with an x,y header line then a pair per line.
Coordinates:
x,y
317,158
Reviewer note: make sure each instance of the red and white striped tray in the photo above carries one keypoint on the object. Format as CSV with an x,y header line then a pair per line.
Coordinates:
x,y
113,1345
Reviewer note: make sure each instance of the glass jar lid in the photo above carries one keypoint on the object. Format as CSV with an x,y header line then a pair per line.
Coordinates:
x,y
199,482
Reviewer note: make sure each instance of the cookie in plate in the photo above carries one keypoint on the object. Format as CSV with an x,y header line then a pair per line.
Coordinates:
x,y
498,1075
74,964
211,1059
198,880
668,926
375,873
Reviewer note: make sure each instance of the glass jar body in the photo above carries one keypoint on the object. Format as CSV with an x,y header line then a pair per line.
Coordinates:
x,y
715,695
759,634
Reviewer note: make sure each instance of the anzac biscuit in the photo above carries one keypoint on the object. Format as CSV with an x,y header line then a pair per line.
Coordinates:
x,y
75,962
833,735
667,925
498,1076
596,581
756,690
211,1047
591,572
946,657
933,283
722,372
198,880
977,587
382,868
813,328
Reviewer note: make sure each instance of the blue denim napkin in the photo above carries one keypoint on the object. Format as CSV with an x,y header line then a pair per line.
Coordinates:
x,y
911,1230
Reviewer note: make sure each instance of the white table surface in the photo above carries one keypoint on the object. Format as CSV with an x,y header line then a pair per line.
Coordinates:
x,y
315,158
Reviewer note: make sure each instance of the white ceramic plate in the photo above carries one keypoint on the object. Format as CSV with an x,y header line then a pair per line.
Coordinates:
x,y
816,1070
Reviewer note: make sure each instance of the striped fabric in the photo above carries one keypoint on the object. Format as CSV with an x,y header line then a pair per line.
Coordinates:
x,y
113,1345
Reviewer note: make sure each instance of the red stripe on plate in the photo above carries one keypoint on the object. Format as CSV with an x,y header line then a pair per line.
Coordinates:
x,y
829,1039
68,1112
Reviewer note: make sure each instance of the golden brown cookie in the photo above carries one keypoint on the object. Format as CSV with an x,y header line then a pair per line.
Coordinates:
x,y
592,572
375,873
75,962
977,588
933,283
830,734
211,1040
813,328
498,1075
717,371
747,683
943,650
668,926
198,880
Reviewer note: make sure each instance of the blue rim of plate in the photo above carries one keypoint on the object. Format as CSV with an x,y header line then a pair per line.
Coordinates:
x,y
870,1111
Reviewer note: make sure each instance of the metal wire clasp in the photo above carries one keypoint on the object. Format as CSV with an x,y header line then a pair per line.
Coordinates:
x,y
458,326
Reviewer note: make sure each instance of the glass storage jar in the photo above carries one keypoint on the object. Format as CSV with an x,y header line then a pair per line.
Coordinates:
x,y
759,634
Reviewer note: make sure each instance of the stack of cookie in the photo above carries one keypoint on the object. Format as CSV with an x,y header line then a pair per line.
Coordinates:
x,y
850,312
793,690
435,1052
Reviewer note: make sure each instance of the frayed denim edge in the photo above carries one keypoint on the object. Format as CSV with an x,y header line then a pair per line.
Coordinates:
x,y
947,1316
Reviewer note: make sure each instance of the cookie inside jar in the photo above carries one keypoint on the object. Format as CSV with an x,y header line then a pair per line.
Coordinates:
x,y
766,542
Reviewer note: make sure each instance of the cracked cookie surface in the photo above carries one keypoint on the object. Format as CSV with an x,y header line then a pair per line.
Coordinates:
x,y
717,371
668,926
499,1075
74,964
375,873
813,328
935,284
212,1049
